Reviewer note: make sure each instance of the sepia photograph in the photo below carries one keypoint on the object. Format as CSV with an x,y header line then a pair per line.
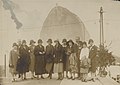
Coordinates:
x,y
59,42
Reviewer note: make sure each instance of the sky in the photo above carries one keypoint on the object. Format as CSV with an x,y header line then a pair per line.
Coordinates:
x,y
32,14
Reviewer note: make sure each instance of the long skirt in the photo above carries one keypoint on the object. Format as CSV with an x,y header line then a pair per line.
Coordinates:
x,y
32,62
67,64
85,65
39,65
49,67
22,65
58,67
73,63
84,70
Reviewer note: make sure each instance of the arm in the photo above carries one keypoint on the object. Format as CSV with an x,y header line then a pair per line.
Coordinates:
x,y
10,59
36,52
87,53
81,54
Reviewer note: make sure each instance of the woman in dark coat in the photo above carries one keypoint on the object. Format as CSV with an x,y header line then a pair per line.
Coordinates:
x,y
58,59
64,55
32,58
49,58
39,53
24,60
93,58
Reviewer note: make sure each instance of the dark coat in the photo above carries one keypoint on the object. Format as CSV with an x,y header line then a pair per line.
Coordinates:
x,y
24,60
69,51
39,60
93,58
77,50
49,59
32,58
76,47
64,57
49,54
58,50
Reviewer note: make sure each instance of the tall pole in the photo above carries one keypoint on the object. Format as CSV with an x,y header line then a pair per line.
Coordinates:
x,y
101,27
5,65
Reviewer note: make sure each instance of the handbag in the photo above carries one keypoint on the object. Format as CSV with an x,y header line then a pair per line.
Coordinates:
x,y
11,66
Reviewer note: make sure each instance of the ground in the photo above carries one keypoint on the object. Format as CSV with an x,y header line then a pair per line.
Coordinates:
x,y
99,81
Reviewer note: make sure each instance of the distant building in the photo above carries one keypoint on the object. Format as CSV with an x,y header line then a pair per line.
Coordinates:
x,y
61,23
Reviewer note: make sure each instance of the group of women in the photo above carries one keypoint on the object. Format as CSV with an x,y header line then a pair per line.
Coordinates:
x,y
68,57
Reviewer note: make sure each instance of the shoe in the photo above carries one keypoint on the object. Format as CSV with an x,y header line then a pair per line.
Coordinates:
x,y
32,78
13,80
61,78
42,77
58,79
83,80
67,77
19,76
38,78
25,78
79,78
70,78
93,79
50,77
73,78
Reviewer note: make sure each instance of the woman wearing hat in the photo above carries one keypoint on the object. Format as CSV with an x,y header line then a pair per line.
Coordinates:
x,y
24,61
72,61
93,58
49,58
39,53
64,55
32,58
14,54
85,62
58,59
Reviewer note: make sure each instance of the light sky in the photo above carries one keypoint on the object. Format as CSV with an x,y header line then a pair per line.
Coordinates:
x,y
32,14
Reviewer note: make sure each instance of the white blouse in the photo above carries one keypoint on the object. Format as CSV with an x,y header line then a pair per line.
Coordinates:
x,y
84,53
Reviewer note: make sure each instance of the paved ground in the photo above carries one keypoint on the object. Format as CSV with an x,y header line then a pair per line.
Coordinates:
x,y
101,81
35,82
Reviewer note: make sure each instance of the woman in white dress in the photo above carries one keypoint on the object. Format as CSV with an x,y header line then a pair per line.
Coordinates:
x,y
85,62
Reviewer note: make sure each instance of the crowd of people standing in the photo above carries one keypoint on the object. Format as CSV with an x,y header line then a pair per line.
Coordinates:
x,y
68,57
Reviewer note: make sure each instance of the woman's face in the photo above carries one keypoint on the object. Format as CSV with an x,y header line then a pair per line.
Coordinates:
x,y
33,44
49,43
24,43
15,47
70,44
56,43
40,43
64,43
91,43
84,45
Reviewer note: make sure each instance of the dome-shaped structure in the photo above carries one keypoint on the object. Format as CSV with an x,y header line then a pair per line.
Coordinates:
x,y
61,23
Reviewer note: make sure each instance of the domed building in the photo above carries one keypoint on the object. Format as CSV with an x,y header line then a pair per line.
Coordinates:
x,y
61,23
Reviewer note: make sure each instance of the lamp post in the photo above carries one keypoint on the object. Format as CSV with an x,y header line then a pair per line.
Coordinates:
x,y
101,27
